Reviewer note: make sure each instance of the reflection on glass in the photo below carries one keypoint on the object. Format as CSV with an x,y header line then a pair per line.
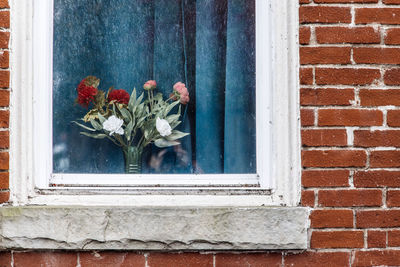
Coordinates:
x,y
207,44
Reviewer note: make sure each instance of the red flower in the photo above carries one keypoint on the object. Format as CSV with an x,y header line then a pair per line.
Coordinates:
x,y
120,96
85,93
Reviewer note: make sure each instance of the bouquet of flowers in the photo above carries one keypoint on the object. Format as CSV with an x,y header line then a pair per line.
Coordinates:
x,y
132,122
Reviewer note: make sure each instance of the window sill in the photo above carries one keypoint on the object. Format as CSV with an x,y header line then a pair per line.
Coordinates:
x,y
153,228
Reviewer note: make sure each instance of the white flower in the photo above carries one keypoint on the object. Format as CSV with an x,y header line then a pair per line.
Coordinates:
x,y
163,127
113,125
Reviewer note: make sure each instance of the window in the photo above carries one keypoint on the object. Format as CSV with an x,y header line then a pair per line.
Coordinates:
x,y
209,45
195,207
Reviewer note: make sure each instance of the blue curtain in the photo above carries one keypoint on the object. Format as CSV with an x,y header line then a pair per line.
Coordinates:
x,y
207,44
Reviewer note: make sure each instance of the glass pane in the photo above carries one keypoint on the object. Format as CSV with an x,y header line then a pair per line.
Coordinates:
x,y
208,45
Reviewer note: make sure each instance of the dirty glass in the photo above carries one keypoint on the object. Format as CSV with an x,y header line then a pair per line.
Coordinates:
x,y
207,44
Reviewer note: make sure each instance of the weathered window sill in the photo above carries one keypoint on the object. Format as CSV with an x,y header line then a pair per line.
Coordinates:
x,y
153,228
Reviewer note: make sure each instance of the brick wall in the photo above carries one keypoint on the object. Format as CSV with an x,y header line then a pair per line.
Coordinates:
x,y
350,98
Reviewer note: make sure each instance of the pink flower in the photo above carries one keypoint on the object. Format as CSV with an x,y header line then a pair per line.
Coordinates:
x,y
183,92
150,85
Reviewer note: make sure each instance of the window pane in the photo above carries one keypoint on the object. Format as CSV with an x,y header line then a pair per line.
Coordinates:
x,y
207,44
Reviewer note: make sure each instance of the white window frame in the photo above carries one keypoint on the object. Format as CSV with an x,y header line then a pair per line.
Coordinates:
x,y
277,181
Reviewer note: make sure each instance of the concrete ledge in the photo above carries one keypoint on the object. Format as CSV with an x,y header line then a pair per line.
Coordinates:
x,y
153,228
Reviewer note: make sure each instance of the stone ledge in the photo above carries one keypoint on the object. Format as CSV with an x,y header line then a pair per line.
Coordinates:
x,y
153,228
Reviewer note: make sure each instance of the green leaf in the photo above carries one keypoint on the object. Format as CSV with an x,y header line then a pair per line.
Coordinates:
x,y
128,130
97,136
114,111
101,118
84,126
165,143
132,100
125,114
173,118
96,125
176,135
139,100
141,121
170,107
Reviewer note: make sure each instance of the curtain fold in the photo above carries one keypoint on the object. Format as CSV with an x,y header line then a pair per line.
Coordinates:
x,y
210,84
240,127
207,44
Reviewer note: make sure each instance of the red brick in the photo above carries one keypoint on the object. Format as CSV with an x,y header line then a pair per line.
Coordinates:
x,y
306,76
325,137
334,158
376,258
391,2
4,60
350,198
4,98
4,139
4,159
377,15
307,117
331,219
4,79
307,198
4,181
4,4
43,259
384,159
377,178
120,259
371,55
380,97
4,118
5,19
349,117
394,238
331,178
253,260
318,259
304,1
386,138
377,218
325,55
304,35
376,239
345,1
340,35
4,196
393,198
392,77
4,39
324,14
392,36
393,118
337,239
180,260
326,97
346,76
5,257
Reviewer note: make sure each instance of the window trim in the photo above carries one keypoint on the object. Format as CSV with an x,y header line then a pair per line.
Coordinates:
x,y
282,77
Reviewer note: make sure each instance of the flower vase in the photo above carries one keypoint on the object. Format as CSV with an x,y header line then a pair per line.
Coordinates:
x,y
133,160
